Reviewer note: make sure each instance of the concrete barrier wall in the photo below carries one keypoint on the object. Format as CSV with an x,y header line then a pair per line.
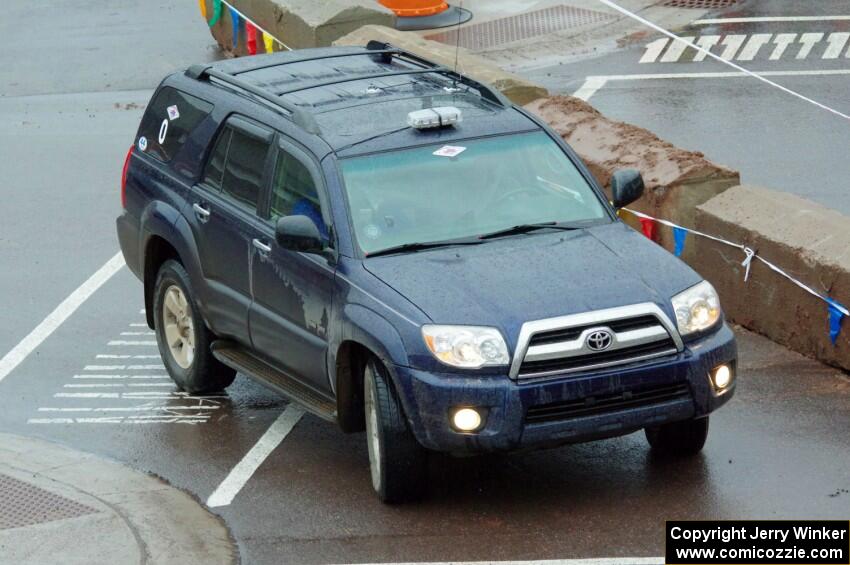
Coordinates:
x,y
299,23
677,181
810,242
518,89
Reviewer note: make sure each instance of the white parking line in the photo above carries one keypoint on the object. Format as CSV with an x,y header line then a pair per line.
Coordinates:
x,y
137,333
596,561
593,83
236,479
114,385
713,21
61,313
142,408
143,419
121,377
122,367
123,342
110,356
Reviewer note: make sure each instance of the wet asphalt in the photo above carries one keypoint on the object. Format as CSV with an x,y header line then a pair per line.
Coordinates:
x,y
778,450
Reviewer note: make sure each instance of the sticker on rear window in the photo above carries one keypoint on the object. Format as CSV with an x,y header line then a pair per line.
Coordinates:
x,y
143,143
173,113
449,151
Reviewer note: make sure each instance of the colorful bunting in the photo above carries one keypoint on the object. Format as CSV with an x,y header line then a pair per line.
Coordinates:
x,y
251,35
679,236
234,20
268,41
837,311
836,315
648,226
216,12
203,5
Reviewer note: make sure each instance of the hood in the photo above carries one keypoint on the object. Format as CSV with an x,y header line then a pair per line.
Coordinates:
x,y
508,281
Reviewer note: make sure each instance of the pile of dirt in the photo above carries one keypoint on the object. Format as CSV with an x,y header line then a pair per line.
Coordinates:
x,y
607,145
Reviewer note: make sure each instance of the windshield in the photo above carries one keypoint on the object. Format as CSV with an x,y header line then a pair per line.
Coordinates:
x,y
463,190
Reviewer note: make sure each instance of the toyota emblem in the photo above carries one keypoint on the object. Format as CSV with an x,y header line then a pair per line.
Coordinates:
x,y
599,340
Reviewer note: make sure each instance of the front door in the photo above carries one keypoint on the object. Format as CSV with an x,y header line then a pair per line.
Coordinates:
x,y
223,216
293,291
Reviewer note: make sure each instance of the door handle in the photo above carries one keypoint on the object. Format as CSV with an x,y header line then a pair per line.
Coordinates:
x,y
263,247
202,213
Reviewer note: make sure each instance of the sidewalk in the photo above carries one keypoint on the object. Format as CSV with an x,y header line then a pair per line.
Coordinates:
x,y
64,506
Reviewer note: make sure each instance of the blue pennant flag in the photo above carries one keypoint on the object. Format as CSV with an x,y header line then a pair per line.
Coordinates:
x,y
679,235
835,317
234,18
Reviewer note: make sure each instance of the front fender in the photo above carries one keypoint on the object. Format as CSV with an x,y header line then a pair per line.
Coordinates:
x,y
373,331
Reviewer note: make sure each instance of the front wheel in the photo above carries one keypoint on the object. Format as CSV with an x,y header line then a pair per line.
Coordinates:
x,y
679,438
396,459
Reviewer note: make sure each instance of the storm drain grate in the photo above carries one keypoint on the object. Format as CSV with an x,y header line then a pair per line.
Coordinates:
x,y
700,4
521,26
22,504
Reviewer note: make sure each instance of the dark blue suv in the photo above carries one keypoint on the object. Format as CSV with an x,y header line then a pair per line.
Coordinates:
x,y
400,249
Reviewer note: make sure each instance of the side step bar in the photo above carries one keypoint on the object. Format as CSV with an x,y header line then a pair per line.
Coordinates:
x,y
245,362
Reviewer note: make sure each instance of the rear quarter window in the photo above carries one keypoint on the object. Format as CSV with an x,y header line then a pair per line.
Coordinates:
x,y
169,121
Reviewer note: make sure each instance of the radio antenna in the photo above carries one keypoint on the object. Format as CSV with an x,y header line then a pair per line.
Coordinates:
x,y
457,40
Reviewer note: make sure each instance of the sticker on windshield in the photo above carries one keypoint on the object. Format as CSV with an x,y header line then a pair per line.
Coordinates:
x,y
143,143
173,113
449,151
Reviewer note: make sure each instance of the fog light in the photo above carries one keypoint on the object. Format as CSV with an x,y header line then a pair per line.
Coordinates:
x,y
721,377
466,420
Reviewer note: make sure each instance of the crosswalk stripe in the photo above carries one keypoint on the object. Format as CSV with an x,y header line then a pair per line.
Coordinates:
x,y
751,49
782,41
837,41
809,40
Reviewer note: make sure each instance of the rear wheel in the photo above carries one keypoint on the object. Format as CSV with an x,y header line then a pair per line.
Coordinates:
x,y
679,438
396,459
183,338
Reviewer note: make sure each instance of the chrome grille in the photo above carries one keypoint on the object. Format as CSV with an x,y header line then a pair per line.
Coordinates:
x,y
558,346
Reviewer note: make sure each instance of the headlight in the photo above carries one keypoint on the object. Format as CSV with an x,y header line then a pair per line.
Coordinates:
x,y
470,347
697,308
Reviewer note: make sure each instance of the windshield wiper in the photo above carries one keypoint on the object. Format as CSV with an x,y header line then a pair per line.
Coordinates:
x,y
525,228
419,246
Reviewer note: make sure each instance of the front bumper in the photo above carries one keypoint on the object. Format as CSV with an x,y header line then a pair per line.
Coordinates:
x,y
428,398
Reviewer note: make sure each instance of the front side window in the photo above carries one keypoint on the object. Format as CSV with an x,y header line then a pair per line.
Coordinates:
x,y
465,189
294,191
168,122
236,165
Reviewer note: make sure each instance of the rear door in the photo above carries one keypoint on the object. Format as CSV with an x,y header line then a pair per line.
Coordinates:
x,y
293,291
222,210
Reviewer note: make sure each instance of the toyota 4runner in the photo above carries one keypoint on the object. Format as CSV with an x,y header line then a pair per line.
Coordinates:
x,y
399,249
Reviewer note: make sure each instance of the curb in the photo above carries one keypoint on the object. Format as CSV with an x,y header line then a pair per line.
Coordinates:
x,y
66,506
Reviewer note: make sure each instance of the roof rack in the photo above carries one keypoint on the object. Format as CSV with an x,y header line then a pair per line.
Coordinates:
x,y
298,116
486,92
290,61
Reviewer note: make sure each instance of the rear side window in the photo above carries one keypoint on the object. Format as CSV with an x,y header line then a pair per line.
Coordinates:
x,y
169,120
236,165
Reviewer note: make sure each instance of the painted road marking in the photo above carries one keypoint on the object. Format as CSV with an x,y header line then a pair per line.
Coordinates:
x,y
236,479
592,561
123,367
137,333
121,377
666,50
116,342
117,382
61,313
757,76
767,19
109,356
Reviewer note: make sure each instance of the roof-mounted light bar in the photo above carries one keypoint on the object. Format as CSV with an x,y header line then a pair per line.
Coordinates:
x,y
429,118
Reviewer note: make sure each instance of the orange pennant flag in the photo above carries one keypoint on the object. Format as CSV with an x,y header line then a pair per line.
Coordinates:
x,y
203,6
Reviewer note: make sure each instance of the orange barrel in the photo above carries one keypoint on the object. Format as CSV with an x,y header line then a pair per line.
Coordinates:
x,y
415,8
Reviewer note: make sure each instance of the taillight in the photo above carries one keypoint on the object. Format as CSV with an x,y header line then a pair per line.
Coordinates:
x,y
124,177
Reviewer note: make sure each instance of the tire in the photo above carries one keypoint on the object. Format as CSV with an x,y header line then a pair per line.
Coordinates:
x,y
190,363
679,438
397,462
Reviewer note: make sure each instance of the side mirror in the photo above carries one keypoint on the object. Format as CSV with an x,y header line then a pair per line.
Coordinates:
x,y
298,233
626,187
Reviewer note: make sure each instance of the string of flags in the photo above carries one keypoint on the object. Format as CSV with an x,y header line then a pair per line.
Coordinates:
x,y
837,311
236,18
